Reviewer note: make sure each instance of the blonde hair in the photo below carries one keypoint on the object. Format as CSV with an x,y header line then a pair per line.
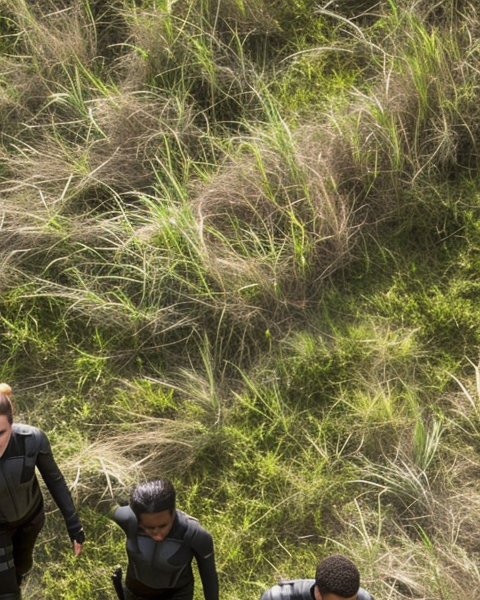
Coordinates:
x,y
6,406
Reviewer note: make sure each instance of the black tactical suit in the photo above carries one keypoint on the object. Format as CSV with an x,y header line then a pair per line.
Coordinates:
x,y
300,589
21,503
163,570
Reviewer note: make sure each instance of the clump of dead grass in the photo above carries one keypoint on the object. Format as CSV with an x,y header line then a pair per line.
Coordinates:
x,y
110,147
53,33
140,448
272,222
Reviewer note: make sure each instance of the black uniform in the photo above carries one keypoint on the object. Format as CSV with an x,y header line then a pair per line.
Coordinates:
x,y
163,570
300,589
21,503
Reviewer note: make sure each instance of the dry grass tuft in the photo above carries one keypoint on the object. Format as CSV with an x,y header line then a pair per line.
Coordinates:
x,y
141,448
274,222
53,34
137,129
126,135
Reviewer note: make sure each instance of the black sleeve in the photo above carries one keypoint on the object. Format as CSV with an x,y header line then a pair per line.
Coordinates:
x,y
202,546
57,487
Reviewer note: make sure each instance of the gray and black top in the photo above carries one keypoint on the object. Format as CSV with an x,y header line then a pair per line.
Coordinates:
x,y
300,589
167,565
20,495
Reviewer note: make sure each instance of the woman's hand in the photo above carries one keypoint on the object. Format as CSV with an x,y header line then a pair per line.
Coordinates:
x,y
77,548
78,539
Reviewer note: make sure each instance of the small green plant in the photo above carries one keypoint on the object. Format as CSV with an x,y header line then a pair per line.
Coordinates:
x,y
407,478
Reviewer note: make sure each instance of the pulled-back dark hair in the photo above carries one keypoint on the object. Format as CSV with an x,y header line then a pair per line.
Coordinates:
x,y
6,406
152,497
338,575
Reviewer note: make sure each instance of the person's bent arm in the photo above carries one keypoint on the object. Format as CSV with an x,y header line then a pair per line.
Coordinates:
x,y
59,491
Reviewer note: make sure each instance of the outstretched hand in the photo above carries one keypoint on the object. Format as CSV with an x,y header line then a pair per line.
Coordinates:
x,y
77,548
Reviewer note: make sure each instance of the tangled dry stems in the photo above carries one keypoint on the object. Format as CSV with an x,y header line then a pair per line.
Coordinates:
x,y
140,450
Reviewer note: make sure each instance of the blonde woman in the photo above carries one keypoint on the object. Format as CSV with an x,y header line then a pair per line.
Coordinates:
x,y
22,515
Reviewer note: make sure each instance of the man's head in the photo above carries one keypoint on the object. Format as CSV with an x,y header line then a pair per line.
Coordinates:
x,y
336,578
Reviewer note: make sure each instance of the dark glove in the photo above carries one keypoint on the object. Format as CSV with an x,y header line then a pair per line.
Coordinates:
x,y
78,536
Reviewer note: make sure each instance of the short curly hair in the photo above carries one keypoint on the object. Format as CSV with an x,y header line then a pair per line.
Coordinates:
x,y
338,575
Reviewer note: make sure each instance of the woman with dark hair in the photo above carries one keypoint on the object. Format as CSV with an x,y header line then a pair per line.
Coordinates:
x,y
22,515
161,544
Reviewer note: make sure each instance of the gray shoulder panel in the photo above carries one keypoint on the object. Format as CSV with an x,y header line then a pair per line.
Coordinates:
x,y
296,589
364,595
21,429
35,439
126,519
198,538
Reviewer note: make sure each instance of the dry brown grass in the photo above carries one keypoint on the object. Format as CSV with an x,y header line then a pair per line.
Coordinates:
x,y
275,221
139,449
127,132
137,129
53,33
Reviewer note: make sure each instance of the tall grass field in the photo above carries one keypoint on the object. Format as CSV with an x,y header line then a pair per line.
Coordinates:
x,y
240,248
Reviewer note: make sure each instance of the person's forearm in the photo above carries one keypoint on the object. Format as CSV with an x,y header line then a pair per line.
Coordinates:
x,y
209,576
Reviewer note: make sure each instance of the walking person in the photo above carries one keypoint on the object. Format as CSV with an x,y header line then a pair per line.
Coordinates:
x,y
336,578
161,543
22,514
